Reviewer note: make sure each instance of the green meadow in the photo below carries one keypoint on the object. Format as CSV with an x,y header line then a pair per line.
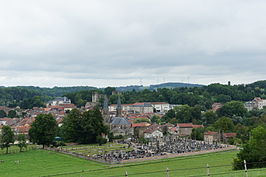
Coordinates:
x,y
46,163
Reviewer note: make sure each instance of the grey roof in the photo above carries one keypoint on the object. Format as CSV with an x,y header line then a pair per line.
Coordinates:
x,y
143,105
120,121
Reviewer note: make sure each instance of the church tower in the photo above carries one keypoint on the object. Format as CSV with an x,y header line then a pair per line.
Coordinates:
x,y
119,107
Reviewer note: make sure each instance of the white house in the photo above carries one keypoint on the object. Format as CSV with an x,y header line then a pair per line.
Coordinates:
x,y
161,106
153,134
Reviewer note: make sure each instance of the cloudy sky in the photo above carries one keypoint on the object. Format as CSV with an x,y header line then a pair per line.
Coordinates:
x,y
127,42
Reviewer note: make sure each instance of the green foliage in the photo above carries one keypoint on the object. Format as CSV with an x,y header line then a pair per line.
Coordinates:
x,y
43,129
209,117
224,124
183,113
36,101
83,127
242,132
198,134
109,90
142,120
21,142
156,119
80,98
72,126
2,114
12,114
100,140
254,151
233,108
7,137
169,115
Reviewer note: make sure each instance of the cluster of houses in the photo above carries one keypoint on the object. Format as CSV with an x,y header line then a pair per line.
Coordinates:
x,y
121,118
21,125
123,123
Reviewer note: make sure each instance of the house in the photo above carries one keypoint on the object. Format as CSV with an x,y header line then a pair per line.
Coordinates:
x,y
58,101
125,107
256,103
160,106
68,107
22,129
227,136
153,131
185,129
173,130
142,108
211,137
139,128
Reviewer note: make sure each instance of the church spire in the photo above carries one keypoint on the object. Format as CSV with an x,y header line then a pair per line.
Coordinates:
x,y
119,107
106,110
105,105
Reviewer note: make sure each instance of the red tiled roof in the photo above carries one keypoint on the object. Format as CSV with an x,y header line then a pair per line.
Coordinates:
x,y
189,125
152,128
210,133
185,125
229,135
67,105
142,124
198,126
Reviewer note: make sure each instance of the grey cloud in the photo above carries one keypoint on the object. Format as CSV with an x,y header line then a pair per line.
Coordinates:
x,y
125,41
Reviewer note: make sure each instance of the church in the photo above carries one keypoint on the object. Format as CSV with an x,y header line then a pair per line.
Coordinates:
x,y
119,125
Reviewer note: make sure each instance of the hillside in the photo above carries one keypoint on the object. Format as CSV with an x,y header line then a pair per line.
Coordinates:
x,y
156,86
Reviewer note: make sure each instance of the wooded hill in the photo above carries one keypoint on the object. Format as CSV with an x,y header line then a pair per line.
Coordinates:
x,y
174,93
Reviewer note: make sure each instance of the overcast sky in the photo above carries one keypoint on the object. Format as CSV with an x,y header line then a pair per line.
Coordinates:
x,y
128,42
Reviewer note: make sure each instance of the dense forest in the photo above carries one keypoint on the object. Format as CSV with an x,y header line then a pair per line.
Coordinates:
x,y
28,97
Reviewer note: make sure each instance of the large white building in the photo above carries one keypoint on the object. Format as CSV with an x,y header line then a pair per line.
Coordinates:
x,y
256,103
161,106
143,108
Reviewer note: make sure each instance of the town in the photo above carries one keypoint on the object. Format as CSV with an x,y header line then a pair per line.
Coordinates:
x,y
135,125
132,88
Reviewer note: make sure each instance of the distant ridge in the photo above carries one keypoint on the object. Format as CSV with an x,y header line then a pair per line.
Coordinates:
x,y
156,86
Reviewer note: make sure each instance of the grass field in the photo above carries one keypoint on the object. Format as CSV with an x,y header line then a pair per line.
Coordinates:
x,y
15,149
43,163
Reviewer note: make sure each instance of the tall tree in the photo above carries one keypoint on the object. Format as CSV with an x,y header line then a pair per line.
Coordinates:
x,y
43,129
209,117
7,137
224,124
233,108
72,126
83,127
